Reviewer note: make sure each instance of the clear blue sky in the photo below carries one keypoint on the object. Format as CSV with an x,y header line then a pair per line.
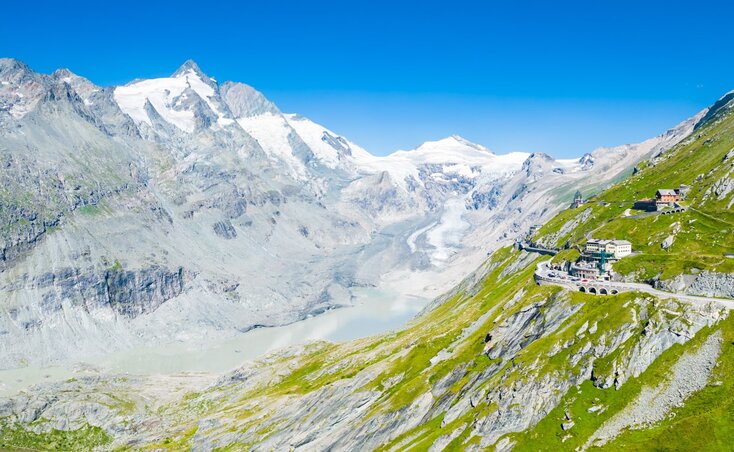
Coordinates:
x,y
556,77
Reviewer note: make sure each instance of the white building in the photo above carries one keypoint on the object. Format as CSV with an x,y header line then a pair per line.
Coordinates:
x,y
593,246
617,248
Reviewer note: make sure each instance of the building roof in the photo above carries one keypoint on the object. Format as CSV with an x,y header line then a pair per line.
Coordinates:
x,y
605,242
621,242
666,192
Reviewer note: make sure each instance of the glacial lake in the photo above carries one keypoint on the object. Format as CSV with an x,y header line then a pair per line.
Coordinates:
x,y
374,311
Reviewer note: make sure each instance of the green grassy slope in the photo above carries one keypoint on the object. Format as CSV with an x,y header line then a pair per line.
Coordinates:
x,y
23,438
705,422
704,233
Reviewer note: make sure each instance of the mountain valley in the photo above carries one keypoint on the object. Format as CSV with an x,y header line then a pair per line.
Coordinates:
x,y
183,213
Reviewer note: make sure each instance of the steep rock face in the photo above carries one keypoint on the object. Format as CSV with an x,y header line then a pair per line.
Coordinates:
x,y
713,285
246,101
130,293
708,284
653,405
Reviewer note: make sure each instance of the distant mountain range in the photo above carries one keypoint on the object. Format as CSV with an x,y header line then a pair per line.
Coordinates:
x,y
182,209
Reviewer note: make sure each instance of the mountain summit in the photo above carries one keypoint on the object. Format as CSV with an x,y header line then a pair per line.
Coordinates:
x,y
453,143
190,67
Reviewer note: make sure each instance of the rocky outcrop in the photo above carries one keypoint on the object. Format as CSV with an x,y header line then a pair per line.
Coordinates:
x,y
225,230
338,143
723,187
712,284
488,199
668,242
130,293
550,240
706,284
587,162
526,326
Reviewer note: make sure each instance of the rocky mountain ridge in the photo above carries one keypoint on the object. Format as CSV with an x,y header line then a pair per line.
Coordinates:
x,y
270,217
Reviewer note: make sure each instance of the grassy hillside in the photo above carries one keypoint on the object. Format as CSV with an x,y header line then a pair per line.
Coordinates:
x,y
443,353
702,235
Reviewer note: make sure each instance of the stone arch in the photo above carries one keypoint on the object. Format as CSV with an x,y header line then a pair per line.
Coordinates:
x,y
592,290
582,289
603,291
615,291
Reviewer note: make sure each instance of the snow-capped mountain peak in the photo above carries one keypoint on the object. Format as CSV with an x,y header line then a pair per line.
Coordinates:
x,y
180,100
190,68
455,150
453,143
